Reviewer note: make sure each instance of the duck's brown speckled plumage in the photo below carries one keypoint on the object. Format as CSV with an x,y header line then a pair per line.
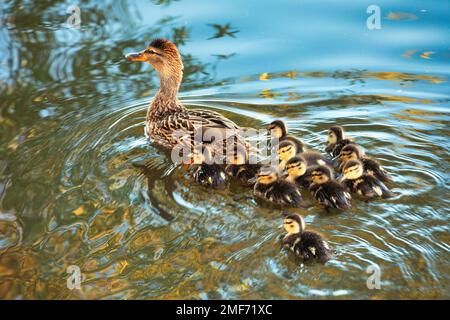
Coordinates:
x,y
166,115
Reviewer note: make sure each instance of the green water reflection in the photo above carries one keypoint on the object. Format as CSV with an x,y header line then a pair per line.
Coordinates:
x,y
72,131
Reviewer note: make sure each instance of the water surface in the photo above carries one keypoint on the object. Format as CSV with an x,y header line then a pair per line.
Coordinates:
x,y
72,131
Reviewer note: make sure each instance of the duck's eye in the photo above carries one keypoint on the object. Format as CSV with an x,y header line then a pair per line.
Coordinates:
x,y
150,51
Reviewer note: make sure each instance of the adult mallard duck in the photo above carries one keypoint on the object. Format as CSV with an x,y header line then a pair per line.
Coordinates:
x,y
168,121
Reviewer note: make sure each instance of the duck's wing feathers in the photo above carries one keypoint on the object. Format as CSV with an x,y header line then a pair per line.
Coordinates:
x,y
285,194
372,187
313,246
373,168
313,158
332,195
338,147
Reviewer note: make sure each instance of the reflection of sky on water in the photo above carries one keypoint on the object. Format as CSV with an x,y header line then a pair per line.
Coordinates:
x,y
71,131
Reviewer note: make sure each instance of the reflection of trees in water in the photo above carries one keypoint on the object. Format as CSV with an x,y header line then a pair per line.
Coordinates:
x,y
48,65
164,2
223,30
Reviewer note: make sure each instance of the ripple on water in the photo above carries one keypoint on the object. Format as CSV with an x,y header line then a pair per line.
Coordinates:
x,y
139,227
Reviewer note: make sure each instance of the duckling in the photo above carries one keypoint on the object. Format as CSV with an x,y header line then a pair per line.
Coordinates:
x,y
297,172
290,148
240,168
270,187
353,152
362,183
307,245
167,118
285,151
336,140
209,175
277,130
328,191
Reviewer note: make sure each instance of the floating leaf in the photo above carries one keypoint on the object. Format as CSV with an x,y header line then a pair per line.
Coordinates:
x,y
268,94
79,211
108,210
291,74
401,16
222,31
264,76
409,53
426,54
146,93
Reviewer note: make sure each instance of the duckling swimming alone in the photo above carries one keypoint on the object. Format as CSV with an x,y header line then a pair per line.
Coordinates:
x,y
307,245
336,140
362,183
353,152
328,191
272,188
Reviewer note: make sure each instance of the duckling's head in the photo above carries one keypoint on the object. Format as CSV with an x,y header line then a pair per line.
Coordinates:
x,y
335,134
298,143
293,223
286,150
350,152
267,175
163,55
296,166
278,129
353,169
321,174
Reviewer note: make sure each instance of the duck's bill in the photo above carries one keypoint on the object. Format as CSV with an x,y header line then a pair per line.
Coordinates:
x,y
135,56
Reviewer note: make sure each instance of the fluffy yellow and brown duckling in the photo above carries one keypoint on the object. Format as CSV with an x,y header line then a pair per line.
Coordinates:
x,y
206,172
297,172
167,118
271,187
336,140
353,152
277,130
363,184
287,149
328,191
307,245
